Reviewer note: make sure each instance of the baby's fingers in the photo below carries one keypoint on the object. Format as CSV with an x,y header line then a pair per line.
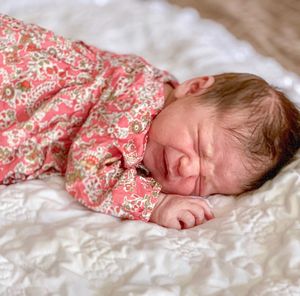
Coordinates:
x,y
186,219
208,214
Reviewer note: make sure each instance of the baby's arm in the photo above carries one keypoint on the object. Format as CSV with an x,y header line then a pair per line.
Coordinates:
x,y
97,175
180,212
108,188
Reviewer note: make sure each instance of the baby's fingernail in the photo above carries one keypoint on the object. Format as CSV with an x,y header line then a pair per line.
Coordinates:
x,y
212,216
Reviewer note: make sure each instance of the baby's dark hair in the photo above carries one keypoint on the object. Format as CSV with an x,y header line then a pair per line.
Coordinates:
x,y
270,128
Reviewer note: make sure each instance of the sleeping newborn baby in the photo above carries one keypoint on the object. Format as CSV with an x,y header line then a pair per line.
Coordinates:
x,y
130,140
225,134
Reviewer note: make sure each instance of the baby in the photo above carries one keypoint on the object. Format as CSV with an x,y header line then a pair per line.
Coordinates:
x,y
130,140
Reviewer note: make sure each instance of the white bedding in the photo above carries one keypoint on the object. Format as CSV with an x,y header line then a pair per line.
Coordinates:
x,y
50,245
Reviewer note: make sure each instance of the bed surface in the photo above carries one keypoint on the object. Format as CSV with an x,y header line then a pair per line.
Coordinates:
x,y
51,245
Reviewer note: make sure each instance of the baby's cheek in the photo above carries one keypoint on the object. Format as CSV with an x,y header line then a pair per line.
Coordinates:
x,y
180,187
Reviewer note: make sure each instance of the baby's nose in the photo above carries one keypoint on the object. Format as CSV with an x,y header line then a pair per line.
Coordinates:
x,y
188,167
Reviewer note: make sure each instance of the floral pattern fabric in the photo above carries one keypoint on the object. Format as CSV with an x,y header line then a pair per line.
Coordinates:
x,y
72,109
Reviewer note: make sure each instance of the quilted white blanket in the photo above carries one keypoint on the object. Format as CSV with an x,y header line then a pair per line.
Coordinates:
x,y
50,245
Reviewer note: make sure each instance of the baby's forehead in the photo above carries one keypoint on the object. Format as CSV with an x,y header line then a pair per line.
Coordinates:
x,y
242,134
233,168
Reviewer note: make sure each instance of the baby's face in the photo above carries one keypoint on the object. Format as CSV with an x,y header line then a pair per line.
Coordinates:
x,y
189,153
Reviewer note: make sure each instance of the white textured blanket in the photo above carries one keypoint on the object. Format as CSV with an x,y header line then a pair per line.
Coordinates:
x,y
50,245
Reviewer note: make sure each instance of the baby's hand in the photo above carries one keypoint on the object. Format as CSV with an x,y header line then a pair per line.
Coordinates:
x,y
180,212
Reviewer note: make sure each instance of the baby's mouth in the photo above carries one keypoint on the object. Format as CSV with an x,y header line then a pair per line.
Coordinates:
x,y
165,163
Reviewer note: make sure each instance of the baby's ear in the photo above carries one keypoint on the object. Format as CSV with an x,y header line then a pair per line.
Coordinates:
x,y
198,85
194,87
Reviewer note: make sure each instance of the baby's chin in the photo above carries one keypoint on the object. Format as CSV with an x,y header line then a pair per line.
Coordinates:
x,y
165,187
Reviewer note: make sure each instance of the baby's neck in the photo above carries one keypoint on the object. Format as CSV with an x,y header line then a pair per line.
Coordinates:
x,y
168,93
